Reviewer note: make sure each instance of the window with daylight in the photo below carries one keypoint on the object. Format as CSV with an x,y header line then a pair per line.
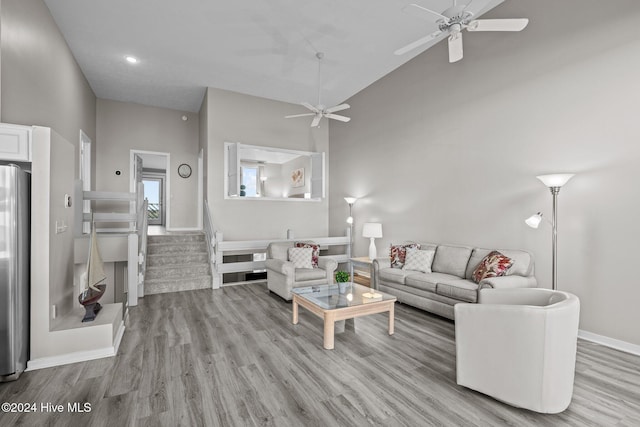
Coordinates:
x,y
250,179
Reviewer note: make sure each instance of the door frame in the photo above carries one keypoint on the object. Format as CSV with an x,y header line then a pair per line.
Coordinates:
x,y
167,181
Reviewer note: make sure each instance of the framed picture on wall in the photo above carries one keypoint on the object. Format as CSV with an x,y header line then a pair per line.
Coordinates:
x,y
297,178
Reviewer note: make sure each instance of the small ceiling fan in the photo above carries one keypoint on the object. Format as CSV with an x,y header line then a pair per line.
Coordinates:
x,y
320,111
452,21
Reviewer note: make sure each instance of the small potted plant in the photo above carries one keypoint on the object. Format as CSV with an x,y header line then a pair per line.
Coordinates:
x,y
342,276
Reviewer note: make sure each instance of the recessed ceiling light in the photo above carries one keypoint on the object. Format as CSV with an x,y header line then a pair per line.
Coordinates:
x,y
131,59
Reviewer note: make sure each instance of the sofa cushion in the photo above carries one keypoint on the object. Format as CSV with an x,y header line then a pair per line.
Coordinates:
x,y
395,275
522,261
428,281
301,257
494,264
419,260
397,253
304,274
451,260
460,289
315,254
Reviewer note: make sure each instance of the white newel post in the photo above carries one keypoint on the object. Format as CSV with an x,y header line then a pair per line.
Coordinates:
x,y
216,276
132,270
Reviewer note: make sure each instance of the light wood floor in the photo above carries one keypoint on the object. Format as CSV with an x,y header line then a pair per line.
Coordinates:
x,y
232,357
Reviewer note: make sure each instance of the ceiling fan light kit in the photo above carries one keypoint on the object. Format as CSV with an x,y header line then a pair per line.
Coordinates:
x,y
452,21
319,111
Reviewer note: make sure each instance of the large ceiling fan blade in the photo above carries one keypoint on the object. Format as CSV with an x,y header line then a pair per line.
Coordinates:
x,y
310,107
423,12
338,117
316,120
417,43
455,47
337,108
299,115
517,24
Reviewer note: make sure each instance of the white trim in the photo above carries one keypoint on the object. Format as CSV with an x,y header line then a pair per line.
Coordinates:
x,y
184,229
78,356
113,230
273,199
119,335
625,346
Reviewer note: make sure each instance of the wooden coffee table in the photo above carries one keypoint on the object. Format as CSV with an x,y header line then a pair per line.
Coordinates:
x,y
339,302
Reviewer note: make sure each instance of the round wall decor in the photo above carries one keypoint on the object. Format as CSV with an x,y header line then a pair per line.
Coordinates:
x,y
184,170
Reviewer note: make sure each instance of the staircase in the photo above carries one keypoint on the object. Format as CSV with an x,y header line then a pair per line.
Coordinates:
x,y
176,262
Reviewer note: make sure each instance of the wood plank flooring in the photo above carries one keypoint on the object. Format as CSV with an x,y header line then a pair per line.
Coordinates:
x,y
232,357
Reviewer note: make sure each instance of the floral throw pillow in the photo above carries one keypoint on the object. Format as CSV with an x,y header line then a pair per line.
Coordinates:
x,y
494,264
398,253
315,253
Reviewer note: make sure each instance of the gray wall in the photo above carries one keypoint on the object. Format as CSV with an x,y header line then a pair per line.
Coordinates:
x,y
234,117
123,126
449,152
41,82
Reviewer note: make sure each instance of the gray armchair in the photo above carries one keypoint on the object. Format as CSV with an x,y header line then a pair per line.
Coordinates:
x,y
282,276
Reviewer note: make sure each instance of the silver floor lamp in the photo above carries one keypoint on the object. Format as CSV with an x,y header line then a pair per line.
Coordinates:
x,y
554,182
350,201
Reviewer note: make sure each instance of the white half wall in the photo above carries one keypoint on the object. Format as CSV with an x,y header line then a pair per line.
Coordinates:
x,y
444,152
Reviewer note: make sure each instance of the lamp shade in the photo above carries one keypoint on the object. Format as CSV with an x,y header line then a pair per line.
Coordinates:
x,y
372,229
350,200
534,220
555,179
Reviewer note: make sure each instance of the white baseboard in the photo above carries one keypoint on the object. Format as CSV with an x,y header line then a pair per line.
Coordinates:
x,y
185,229
627,347
65,359
79,356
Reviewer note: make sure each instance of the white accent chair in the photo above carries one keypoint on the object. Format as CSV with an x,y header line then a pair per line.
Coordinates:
x,y
282,276
519,346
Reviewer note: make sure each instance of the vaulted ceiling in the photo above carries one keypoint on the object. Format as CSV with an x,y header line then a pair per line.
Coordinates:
x,y
262,48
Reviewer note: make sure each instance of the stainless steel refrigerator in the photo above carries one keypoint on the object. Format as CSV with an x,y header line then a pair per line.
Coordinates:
x,y
14,270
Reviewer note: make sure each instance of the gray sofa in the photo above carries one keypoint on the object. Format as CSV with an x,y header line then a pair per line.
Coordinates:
x,y
450,281
282,276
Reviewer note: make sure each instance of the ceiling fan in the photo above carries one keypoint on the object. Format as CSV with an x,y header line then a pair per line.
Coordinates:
x,y
452,21
319,111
